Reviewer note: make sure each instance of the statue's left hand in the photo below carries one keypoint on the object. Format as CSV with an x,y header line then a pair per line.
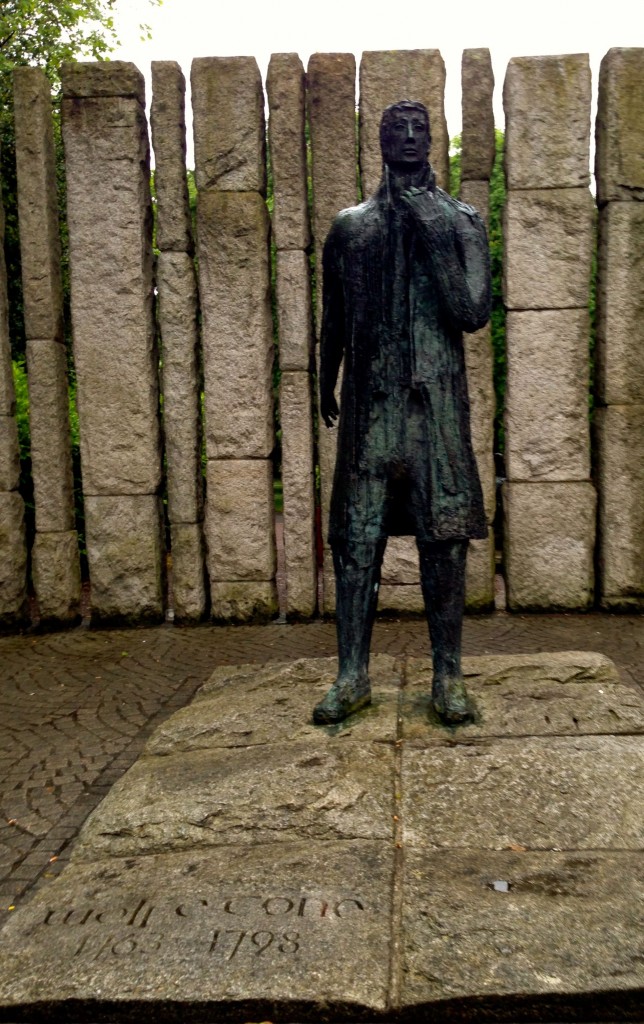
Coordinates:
x,y
424,206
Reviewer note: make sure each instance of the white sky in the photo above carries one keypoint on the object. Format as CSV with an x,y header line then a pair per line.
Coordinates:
x,y
183,29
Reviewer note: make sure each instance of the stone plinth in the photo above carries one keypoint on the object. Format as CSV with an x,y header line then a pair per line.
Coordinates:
x,y
168,123
620,443
548,244
546,401
620,301
56,576
549,531
547,110
239,520
228,124
126,559
247,860
13,561
189,591
237,329
387,76
299,493
286,101
619,158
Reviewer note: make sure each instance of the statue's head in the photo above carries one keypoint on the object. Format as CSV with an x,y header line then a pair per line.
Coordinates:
x,y
405,137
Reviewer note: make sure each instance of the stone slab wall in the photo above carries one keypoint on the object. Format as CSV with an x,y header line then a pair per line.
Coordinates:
x,y
291,237
234,286
619,419
180,351
55,561
548,224
110,251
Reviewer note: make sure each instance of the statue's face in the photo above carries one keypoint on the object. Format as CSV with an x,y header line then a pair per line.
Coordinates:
x,y
405,141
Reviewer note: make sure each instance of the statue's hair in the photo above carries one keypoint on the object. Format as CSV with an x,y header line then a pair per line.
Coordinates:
x,y
390,113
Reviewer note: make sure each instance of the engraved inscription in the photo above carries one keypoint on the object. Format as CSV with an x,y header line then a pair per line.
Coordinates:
x,y
229,942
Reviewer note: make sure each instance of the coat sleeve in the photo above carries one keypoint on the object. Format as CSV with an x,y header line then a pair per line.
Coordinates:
x,y
333,320
455,241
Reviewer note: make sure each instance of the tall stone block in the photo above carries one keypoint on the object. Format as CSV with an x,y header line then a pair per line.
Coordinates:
x,y
126,558
546,402
299,493
620,304
286,100
37,205
13,561
110,247
549,545
228,121
547,110
387,76
56,572
478,140
332,123
619,158
548,227
620,443
293,287
548,247
168,124
237,328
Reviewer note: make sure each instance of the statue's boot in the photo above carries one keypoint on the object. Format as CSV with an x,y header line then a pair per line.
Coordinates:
x,y
356,591
442,567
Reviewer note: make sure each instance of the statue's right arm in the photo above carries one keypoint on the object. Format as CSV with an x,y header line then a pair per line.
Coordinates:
x,y
332,337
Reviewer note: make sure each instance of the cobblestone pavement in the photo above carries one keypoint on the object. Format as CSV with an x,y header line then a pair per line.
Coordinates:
x,y
76,708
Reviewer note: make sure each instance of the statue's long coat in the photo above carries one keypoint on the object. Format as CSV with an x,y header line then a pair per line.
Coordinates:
x,y
397,297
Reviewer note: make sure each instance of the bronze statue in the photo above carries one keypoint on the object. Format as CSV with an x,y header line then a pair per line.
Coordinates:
x,y
404,274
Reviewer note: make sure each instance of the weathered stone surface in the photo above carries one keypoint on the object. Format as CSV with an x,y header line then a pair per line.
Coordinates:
x,y
9,456
549,542
477,194
547,110
299,493
620,482
7,393
576,804
228,122
548,243
294,310
243,602
619,156
85,79
239,520
125,555
13,560
51,454
567,693
403,598
237,328
177,296
255,705
400,564
285,90
168,124
110,235
620,304
330,83
387,76
327,450
42,289
486,923
546,401
303,925
479,363
273,793
478,142
189,596
479,574
55,568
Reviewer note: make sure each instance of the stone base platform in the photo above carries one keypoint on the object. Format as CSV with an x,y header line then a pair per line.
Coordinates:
x,y
252,866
